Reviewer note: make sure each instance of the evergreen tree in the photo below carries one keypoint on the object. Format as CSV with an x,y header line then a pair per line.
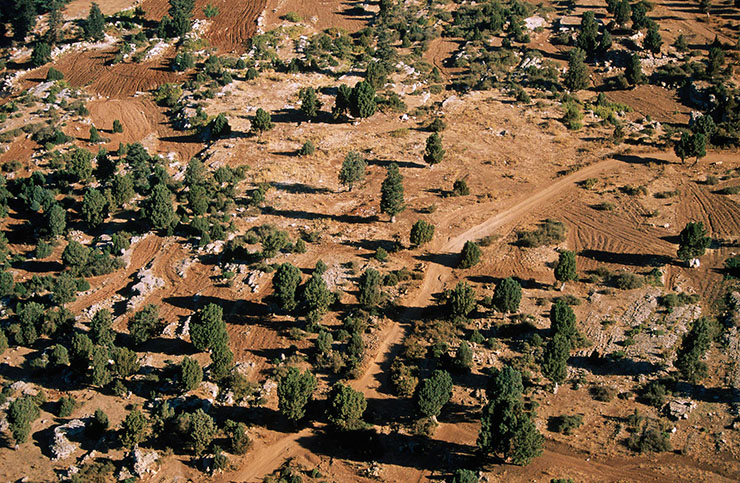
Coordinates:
x,y
353,169
208,329
555,358
145,324
23,18
653,40
54,22
286,280
433,153
639,15
346,407
101,375
41,53
683,146
343,101
191,374
317,295
391,192
563,321
117,126
633,72
134,429
56,220
434,393
565,270
294,391
158,210
694,345
464,356
507,295
181,14
94,207
421,233
622,13
101,328
262,121
219,127
370,295
588,36
310,103
461,300
576,77
470,255
506,428
693,241
94,25
64,290
363,100
21,413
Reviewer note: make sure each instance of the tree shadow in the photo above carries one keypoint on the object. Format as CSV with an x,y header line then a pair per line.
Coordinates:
x,y
300,188
450,260
609,366
631,259
401,164
307,215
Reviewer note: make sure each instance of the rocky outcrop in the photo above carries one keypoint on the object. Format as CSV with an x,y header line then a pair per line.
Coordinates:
x,y
61,447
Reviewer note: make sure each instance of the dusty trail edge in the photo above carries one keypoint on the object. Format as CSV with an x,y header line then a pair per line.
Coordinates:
x,y
267,458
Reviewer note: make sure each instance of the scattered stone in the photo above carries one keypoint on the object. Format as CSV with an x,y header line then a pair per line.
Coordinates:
x,y
143,462
146,283
680,408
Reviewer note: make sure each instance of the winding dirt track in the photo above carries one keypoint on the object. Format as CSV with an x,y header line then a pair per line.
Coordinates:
x,y
268,458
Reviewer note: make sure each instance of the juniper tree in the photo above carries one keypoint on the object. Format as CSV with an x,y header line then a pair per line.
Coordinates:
x,y
633,72
286,280
555,357
434,393
588,36
507,295
310,103
421,233
370,295
191,374
317,296
363,100
563,321
433,153
101,328
693,241
391,192
470,255
353,169
346,407
94,207
576,77
262,121
565,270
461,300
208,329
94,25
653,40
294,391
158,210
145,324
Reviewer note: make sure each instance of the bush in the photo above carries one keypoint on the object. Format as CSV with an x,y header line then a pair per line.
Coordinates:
x,y
307,149
470,255
654,394
650,439
549,232
54,75
627,281
67,404
460,188
602,393
566,424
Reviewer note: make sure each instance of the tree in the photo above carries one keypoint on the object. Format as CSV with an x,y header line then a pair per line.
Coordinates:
x,y
639,15
507,295
622,13
55,22
563,321
97,425
219,126
555,358
376,75
353,169
122,189
588,36
101,375
94,25
75,255
370,294
238,438
346,407
158,210
682,147
391,192
698,146
470,255
433,153
101,328
59,356
208,329
317,295
705,125
565,270
94,135
294,391
694,345
363,100
181,13
342,102
191,374
693,241
464,356
94,207
21,413
56,220
199,428
117,126
576,77
464,476
421,233
79,164
64,290
434,393
23,19
310,103
145,324
41,53
134,429
262,121
286,280
198,199
461,300
125,362
633,71
506,428
653,40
